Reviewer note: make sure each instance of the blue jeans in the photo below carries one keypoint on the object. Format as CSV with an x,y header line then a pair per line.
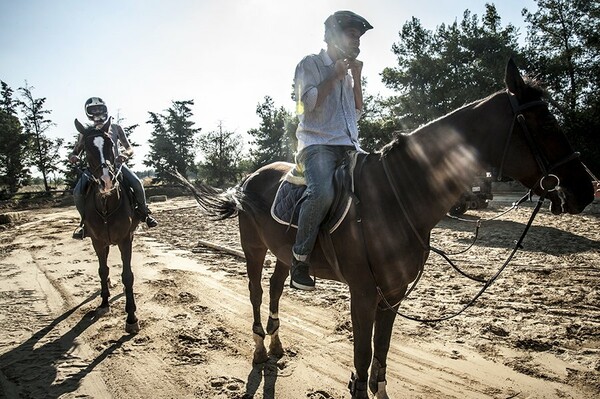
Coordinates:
x,y
131,180
319,163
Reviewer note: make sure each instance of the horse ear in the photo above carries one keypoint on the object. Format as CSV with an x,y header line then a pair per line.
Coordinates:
x,y
106,126
513,80
79,126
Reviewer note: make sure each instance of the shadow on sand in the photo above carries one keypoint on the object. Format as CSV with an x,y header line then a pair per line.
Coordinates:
x,y
268,371
30,369
503,234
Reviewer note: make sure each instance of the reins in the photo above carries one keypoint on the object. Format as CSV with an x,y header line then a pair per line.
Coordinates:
x,y
548,182
518,245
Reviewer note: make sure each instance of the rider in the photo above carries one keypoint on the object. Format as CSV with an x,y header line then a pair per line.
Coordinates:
x,y
329,102
97,112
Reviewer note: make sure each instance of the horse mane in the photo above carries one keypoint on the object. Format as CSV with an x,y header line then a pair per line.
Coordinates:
x,y
534,90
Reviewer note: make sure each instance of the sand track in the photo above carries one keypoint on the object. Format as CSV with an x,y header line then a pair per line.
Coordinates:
x,y
535,334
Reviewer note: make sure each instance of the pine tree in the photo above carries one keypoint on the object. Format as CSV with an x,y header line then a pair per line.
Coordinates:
x,y
275,138
173,141
43,151
222,156
440,71
13,144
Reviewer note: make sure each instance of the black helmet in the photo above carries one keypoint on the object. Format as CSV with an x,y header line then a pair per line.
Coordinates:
x,y
340,20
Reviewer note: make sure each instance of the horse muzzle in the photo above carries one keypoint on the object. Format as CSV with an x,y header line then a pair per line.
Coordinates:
x,y
564,200
106,184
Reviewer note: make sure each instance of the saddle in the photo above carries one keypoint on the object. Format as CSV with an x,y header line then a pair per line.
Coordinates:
x,y
291,194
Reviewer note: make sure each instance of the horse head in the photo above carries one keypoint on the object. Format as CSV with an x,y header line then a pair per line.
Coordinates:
x,y
100,154
537,152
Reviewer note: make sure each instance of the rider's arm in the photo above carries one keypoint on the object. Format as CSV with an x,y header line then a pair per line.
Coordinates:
x,y
311,91
74,156
127,150
325,87
356,72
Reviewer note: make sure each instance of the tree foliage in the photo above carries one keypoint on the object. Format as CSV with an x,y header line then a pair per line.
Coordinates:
x,y
440,71
563,48
222,157
43,151
173,140
377,125
13,144
275,138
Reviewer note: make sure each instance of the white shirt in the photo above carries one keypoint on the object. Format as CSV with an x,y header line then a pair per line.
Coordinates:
x,y
334,122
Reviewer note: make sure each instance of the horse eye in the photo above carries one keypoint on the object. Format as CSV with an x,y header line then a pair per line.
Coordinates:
x,y
549,124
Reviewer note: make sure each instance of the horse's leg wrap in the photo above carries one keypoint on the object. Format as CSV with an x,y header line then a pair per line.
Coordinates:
x,y
260,352
272,325
358,389
275,347
377,381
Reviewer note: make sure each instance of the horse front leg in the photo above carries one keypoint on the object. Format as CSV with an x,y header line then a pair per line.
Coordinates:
x,y
103,271
131,325
275,290
363,303
384,321
254,266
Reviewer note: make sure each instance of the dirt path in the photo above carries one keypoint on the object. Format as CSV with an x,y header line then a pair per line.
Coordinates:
x,y
536,334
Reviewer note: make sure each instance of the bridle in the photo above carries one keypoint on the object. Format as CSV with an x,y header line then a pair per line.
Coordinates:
x,y
545,166
548,182
114,174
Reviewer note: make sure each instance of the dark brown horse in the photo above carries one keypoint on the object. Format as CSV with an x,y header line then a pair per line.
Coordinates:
x,y
109,216
404,191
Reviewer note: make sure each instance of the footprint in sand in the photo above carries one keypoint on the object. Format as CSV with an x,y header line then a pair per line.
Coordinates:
x,y
227,385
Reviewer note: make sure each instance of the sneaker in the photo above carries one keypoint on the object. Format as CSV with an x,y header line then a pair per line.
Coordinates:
x,y
151,222
300,278
78,234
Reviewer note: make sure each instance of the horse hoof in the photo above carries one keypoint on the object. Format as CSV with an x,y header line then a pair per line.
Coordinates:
x,y
276,349
132,328
101,311
260,356
381,393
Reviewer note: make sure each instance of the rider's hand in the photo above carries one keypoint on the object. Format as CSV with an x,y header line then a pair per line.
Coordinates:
x,y
122,158
73,158
341,68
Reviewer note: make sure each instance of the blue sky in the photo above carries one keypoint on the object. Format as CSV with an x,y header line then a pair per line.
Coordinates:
x,y
226,55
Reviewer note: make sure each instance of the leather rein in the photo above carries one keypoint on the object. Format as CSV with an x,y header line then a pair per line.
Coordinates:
x,y
548,183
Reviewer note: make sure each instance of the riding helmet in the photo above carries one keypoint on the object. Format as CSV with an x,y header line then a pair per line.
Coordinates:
x,y
96,109
340,20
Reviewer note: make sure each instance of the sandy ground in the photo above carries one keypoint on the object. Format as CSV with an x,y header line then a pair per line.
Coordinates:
x,y
534,334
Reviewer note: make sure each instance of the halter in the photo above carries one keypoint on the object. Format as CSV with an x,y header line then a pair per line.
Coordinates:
x,y
545,183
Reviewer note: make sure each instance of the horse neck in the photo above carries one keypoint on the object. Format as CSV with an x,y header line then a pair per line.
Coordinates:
x,y
109,202
437,162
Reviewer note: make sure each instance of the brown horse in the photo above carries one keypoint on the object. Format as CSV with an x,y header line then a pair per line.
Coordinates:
x,y
403,191
109,216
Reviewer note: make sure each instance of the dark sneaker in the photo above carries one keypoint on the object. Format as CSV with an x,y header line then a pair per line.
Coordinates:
x,y
78,234
151,222
300,278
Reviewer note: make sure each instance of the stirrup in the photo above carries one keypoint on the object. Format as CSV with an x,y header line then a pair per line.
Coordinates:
x,y
79,233
151,222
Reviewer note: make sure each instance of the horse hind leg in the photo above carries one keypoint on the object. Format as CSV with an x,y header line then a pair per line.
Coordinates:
x,y
254,265
276,285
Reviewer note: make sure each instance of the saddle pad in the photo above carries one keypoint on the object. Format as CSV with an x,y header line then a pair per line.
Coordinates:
x,y
286,206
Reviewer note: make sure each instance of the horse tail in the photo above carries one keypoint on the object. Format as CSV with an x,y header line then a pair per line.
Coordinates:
x,y
215,202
